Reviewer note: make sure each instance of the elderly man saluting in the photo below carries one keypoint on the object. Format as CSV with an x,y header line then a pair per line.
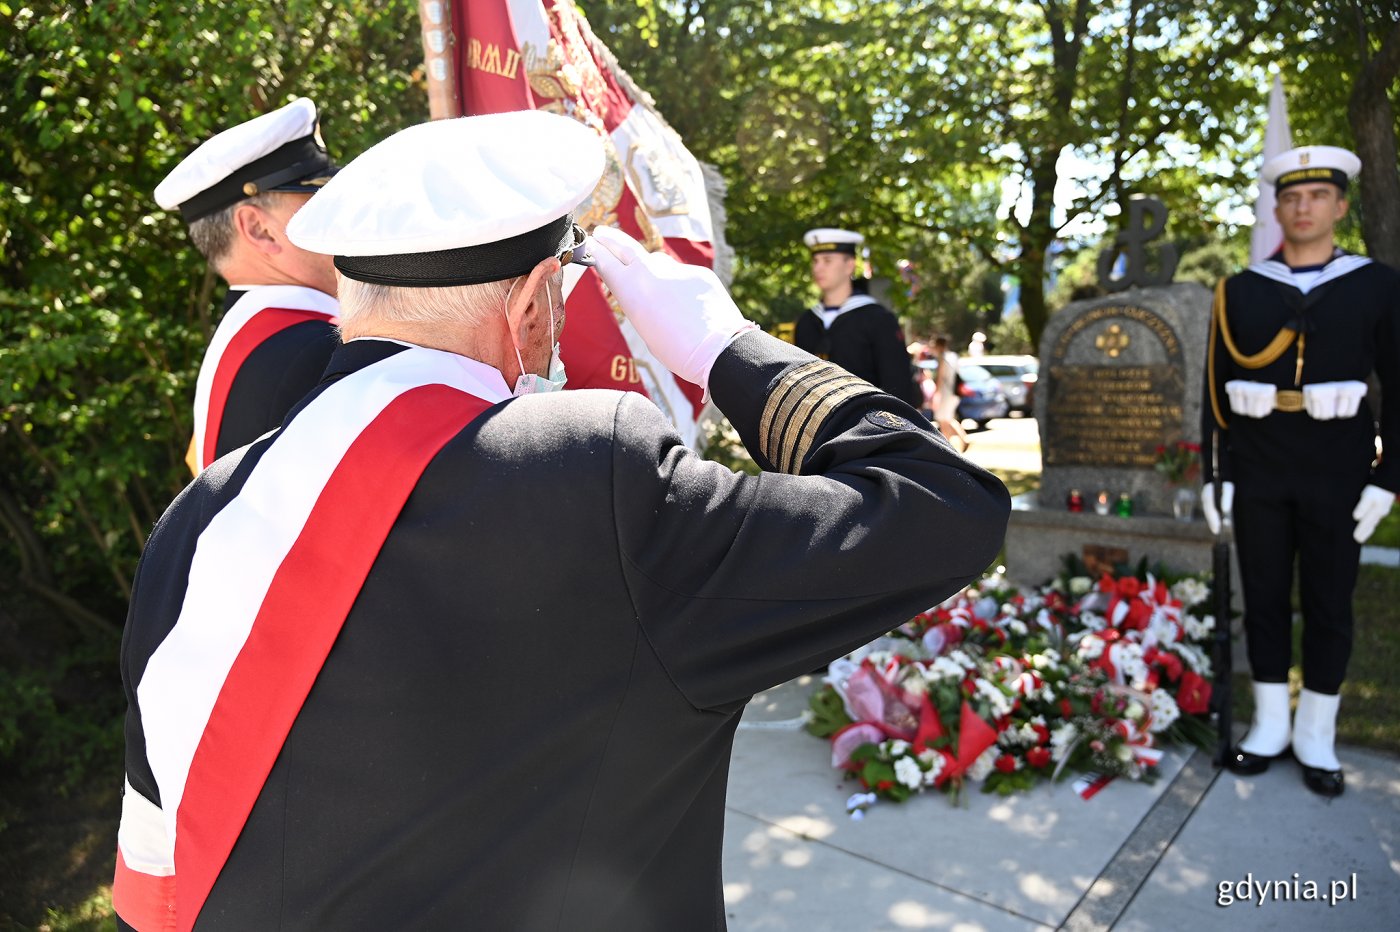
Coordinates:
x,y
451,649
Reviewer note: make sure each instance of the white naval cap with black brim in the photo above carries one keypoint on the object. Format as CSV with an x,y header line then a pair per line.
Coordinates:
x,y
828,239
1305,164
457,202
278,151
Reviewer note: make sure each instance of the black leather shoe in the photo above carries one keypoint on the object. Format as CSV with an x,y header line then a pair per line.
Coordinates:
x,y
1246,764
1327,783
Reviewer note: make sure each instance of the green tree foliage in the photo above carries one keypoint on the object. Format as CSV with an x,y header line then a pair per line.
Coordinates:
x,y
105,308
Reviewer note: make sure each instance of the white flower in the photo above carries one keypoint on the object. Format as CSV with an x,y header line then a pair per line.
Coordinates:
x,y
1080,585
996,699
1190,591
1017,627
1093,621
934,762
1048,659
913,679
961,658
1194,658
898,747
1091,647
1199,629
983,766
1164,710
944,668
908,772
1061,739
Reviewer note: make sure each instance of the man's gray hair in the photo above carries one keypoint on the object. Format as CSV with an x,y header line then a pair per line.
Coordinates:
x,y
213,235
362,304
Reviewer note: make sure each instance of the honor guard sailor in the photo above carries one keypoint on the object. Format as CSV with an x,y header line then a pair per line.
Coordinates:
x,y
452,648
237,192
849,327
1293,341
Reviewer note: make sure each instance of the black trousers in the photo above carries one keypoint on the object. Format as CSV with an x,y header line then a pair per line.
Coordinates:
x,y
1279,516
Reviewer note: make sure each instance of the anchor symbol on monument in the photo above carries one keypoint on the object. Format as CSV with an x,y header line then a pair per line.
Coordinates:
x,y
1112,341
1130,242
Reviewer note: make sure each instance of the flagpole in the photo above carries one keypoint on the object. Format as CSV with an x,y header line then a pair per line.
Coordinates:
x,y
436,19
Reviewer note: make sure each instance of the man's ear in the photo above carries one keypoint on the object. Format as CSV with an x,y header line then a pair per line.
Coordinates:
x,y
254,226
1343,205
526,308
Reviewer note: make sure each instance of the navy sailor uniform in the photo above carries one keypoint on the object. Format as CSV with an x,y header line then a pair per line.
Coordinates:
x,y
864,338
526,718
1297,479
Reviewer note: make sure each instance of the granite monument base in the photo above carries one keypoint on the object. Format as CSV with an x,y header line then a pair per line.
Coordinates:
x,y
1037,540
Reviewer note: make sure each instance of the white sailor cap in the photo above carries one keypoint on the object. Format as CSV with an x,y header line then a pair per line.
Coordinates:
x,y
1311,164
278,151
825,239
457,202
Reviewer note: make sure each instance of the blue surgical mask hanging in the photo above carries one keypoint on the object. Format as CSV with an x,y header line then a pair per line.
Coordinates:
x,y
529,383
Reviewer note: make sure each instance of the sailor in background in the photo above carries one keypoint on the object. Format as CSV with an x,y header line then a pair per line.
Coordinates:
x,y
1293,340
849,327
237,192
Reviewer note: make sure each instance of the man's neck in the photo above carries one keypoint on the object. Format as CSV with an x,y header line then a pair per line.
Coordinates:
x,y
837,296
1301,255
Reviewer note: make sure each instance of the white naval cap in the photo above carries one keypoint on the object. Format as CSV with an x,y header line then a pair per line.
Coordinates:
x,y
1311,164
826,239
456,202
278,151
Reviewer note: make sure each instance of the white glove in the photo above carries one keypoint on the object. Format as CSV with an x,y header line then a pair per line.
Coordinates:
x,y
1251,399
1320,400
681,311
1374,505
1227,504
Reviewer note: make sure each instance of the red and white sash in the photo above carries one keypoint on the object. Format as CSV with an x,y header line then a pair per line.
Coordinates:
x,y
263,310
272,579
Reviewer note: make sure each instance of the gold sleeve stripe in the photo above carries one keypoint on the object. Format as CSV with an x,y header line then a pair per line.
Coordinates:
x,y
817,417
803,399
785,396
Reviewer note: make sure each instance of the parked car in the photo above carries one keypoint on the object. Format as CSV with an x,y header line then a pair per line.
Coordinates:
x,y
980,396
1017,375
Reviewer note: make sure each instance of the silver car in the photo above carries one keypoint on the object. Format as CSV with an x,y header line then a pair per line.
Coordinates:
x,y
1017,375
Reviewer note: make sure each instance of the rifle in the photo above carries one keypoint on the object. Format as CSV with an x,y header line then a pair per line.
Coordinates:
x,y
1221,698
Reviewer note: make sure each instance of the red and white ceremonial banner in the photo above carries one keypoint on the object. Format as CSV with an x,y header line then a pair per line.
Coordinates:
x,y
1267,236
542,54
272,579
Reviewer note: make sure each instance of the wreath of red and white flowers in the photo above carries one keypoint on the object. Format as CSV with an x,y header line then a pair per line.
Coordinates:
x,y
1005,687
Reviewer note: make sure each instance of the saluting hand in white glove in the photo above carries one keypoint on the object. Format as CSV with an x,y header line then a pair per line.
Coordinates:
x,y
681,311
1374,505
1227,504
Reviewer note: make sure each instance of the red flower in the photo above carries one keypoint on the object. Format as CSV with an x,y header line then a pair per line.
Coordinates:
x,y
1193,695
1066,709
1042,734
1006,763
1139,615
1038,757
1170,664
884,785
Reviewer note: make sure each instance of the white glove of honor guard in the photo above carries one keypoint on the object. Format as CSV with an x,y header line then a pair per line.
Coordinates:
x,y
681,311
1251,399
1327,400
1227,504
1374,505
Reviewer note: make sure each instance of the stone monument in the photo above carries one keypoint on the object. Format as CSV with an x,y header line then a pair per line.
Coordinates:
x,y
1120,376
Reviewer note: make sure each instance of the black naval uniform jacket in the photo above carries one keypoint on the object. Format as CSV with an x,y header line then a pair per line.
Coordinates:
x,y
865,341
1351,327
275,376
526,721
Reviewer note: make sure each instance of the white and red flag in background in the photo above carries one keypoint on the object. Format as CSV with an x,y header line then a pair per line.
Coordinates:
x,y
1267,236
542,54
